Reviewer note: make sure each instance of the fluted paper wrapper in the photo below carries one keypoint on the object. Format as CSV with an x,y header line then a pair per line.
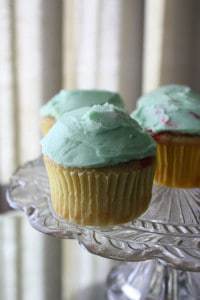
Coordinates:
x,y
46,124
100,196
178,165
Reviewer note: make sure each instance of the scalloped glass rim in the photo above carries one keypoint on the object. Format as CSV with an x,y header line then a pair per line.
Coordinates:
x,y
169,230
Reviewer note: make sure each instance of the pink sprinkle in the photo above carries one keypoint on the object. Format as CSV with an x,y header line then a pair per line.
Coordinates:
x,y
164,119
170,124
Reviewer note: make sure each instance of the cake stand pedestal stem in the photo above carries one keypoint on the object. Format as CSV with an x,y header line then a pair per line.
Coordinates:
x,y
152,280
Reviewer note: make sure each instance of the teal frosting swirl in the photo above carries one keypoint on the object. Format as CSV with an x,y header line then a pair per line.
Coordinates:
x,y
96,136
66,101
173,108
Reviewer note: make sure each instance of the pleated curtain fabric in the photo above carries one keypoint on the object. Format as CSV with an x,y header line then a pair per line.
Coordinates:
x,y
130,46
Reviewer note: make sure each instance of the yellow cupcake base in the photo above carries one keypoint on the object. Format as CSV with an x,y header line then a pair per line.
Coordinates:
x,y
46,124
100,196
178,162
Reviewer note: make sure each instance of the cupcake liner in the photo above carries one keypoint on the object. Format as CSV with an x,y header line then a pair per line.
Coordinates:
x,y
178,164
46,124
102,196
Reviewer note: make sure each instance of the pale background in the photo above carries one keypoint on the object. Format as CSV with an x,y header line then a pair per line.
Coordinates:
x,y
130,46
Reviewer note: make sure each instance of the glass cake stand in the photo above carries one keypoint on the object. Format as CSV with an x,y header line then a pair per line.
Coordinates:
x,y
161,249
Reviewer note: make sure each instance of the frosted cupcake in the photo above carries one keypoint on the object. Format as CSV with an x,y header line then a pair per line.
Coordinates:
x,y
66,101
100,165
172,115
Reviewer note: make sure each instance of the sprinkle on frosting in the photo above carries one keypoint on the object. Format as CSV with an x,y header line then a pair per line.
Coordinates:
x,y
174,108
96,136
66,101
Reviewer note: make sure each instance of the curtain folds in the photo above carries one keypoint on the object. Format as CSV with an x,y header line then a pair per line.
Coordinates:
x,y
30,262
171,44
130,46
103,46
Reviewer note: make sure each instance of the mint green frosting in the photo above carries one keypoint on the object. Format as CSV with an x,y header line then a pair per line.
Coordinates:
x,y
174,108
96,136
66,101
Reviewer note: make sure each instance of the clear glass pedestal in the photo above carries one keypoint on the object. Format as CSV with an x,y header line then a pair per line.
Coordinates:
x,y
150,280
161,248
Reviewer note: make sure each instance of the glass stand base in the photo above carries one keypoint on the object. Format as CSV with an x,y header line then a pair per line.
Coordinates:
x,y
152,280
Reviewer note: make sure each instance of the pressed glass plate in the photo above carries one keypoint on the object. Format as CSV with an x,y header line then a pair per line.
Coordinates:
x,y
169,230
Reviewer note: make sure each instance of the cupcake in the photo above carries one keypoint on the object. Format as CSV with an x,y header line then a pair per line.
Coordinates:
x,y
100,165
66,101
172,115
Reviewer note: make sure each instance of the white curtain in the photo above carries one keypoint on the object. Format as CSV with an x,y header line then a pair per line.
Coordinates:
x,y
130,46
